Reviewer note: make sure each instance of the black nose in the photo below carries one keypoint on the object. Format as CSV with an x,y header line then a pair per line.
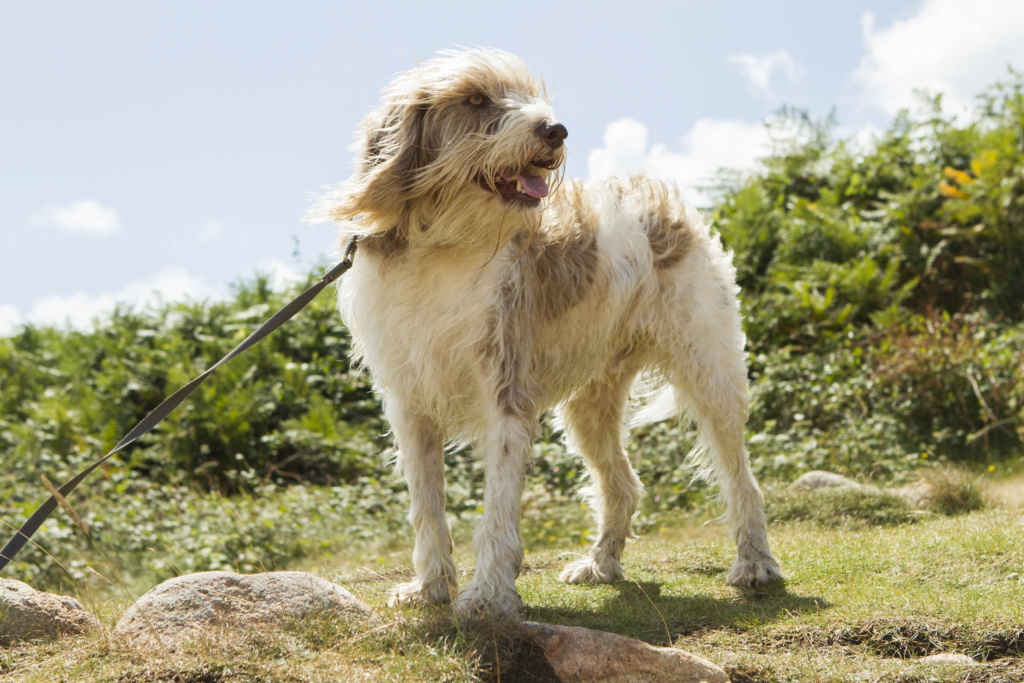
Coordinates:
x,y
553,134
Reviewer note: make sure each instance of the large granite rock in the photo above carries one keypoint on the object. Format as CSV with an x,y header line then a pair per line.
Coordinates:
x,y
580,654
186,606
28,614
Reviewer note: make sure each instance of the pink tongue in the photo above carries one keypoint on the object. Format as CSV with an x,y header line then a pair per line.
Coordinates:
x,y
534,185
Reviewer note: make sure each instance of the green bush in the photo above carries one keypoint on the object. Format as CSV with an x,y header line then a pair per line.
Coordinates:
x,y
290,409
829,238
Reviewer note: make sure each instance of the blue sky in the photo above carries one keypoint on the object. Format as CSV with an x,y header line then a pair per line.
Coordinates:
x,y
174,147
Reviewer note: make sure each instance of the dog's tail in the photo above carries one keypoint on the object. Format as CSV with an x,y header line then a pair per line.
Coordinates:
x,y
653,400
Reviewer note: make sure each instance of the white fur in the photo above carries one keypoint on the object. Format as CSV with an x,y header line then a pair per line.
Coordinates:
x,y
475,314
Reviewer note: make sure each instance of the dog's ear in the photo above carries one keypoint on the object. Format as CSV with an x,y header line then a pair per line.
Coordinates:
x,y
389,152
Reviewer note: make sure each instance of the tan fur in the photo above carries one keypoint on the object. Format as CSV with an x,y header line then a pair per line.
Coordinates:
x,y
477,307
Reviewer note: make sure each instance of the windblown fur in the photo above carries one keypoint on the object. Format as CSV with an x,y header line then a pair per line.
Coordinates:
x,y
487,291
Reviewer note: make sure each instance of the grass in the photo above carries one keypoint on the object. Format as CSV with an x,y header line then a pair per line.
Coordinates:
x,y
864,598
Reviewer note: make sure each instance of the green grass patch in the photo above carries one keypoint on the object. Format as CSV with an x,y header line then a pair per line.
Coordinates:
x,y
852,508
864,598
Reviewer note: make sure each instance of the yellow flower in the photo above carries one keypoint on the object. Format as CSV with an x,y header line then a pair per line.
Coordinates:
x,y
957,176
991,468
924,454
947,190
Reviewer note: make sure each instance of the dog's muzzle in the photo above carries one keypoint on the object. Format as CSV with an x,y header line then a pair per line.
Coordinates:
x,y
527,185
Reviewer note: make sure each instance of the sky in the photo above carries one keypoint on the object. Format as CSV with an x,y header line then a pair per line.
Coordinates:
x,y
166,150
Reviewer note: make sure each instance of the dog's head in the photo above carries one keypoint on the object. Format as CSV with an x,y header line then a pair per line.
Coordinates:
x,y
458,145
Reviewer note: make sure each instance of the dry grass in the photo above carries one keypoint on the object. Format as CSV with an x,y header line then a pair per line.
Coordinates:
x,y
1007,492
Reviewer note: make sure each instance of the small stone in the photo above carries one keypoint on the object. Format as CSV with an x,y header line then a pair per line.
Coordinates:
x,y
949,658
580,654
818,479
185,606
920,494
28,614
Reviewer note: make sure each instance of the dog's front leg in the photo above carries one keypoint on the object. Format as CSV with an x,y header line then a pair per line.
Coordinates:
x,y
498,546
421,458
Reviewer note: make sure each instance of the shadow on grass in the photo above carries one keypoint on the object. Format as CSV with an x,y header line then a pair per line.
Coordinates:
x,y
641,610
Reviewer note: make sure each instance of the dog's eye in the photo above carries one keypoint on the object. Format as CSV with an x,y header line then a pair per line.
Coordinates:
x,y
476,99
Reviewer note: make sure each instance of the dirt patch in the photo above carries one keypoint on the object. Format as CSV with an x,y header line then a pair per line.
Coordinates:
x,y
517,660
910,640
201,674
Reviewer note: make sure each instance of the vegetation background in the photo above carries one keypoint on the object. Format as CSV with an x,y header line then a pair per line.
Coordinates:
x,y
883,296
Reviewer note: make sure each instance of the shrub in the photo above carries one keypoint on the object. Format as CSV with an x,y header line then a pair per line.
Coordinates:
x,y
841,507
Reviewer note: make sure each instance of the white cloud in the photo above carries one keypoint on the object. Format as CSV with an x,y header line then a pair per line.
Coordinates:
x,y
946,47
624,151
211,232
10,319
760,70
281,274
710,145
78,310
87,217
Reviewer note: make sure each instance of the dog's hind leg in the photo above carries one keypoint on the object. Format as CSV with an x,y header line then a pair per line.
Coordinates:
x,y
722,457
594,427
707,366
421,459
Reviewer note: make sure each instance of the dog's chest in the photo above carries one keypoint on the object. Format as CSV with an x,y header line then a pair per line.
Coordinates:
x,y
419,328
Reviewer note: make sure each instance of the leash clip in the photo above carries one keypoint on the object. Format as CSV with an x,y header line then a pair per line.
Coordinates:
x,y
350,249
346,261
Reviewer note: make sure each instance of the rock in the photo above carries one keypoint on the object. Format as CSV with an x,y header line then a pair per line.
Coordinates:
x,y
818,479
919,494
580,654
185,606
28,614
949,658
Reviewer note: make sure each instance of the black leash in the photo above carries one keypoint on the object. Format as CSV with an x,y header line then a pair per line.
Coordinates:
x,y
167,407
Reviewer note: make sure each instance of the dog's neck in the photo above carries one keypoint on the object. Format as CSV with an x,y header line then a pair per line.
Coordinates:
x,y
470,227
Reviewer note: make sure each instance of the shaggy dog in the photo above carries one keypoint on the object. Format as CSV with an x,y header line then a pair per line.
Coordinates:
x,y
487,291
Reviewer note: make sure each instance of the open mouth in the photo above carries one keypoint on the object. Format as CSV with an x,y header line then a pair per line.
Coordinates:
x,y
527,186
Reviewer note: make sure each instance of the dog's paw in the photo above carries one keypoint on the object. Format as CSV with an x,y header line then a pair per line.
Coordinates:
x,y
475,602
591,571
748,574
417,593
